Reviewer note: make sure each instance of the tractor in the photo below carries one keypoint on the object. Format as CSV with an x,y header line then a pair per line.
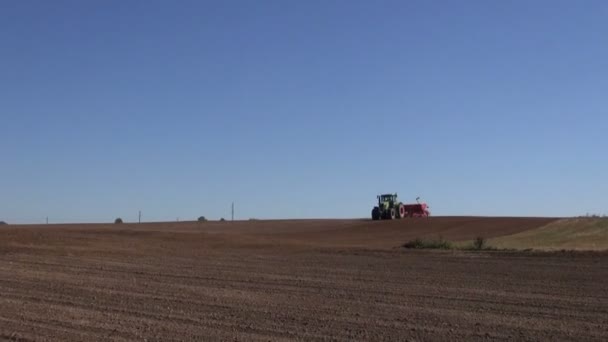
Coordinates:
x,y
390,208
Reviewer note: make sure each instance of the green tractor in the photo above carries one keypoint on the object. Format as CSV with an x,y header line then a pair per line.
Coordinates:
x,y
388,208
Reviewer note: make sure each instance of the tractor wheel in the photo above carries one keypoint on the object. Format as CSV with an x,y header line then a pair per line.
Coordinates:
x,y
393,213
402,212
375,214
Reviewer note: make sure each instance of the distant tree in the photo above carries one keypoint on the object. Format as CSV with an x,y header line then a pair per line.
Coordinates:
x,y
222,219
202,219
118,221
2,223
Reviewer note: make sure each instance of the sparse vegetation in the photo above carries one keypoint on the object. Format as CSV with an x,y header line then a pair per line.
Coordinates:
x,y
202,219
418,243
479,244
118,221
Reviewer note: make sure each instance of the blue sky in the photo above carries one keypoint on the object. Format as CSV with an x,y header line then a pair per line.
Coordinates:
x,y
301,108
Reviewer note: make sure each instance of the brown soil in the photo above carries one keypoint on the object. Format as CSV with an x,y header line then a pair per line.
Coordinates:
x,y
293,280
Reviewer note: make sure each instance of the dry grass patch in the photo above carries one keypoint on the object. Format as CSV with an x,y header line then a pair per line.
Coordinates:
x,y
570,234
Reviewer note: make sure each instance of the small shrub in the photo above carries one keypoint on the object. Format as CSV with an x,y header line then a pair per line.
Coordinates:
x,y
479,243
202,219
118,221
222,219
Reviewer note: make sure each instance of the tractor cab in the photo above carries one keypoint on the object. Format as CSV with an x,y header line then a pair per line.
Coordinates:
x,y
389,199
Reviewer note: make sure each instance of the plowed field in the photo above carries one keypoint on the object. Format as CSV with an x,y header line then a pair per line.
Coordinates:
x,y
293,280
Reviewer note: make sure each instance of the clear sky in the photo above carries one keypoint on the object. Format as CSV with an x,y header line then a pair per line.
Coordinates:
x,y
301,108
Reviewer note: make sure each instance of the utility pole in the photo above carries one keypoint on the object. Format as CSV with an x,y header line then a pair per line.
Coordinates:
x,y
139,216
232,211
47,220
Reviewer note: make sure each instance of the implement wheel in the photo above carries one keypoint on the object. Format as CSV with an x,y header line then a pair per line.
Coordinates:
x,y
402,212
